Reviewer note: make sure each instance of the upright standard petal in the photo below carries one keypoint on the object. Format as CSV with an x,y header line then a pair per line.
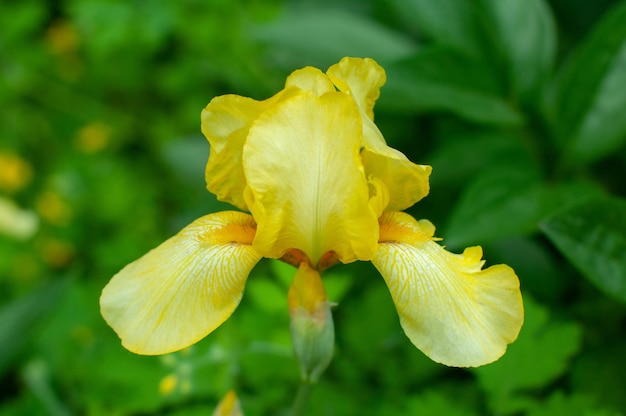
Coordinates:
x,y
361,78
225,123
185,288
308,190
456,313
407,182
310,79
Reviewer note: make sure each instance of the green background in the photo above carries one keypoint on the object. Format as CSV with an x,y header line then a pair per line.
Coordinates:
x,y
519,106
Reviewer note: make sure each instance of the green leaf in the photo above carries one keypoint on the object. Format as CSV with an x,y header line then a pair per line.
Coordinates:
x,y
442,79
112,26
36,374
538,268
430,402
606,363
20,19
267,295
322,38
517,36
448,22
437,403
541,353
464,154
509,199
501,202
589,97
558,404
592,236
527,38
20,318
85,357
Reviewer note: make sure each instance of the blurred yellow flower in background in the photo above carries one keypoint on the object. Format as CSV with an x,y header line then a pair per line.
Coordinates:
x,y
16,222
322,187
229,406
62,37
15,172
93,137
168,384
64,40
53,208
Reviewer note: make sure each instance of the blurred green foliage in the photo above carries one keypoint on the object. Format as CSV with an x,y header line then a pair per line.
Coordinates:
x,y
517,104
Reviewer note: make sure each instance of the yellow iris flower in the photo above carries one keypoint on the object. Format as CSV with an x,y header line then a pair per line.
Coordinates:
x,y
321,186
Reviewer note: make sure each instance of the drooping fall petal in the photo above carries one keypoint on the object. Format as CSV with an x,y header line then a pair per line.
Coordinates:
x,y
307,187
456,313
182,290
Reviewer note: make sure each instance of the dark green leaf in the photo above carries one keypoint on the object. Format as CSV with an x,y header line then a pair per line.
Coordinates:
x,y
558,404
499,203
527,37
589,97
507,200
20,318
608,367
514,38
442,79
437,403
322,38
19,19
451,23
592,236
540,354
463,155
537,267
37,375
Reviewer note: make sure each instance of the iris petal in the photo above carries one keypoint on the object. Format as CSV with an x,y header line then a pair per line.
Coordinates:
x,y
310,79
307,183
226,121
456,313
361,78
185,288
407,182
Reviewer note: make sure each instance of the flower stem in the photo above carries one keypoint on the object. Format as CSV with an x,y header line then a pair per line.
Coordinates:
x,y
302,398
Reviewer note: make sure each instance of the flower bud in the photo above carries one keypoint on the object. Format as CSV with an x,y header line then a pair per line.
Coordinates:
x,y
312,329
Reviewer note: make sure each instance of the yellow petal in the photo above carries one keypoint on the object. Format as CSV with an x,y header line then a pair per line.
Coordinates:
x,y
226,121
456,313
185,288
361,78
307,290
407,182
312,327
310,79
308,188
228,406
